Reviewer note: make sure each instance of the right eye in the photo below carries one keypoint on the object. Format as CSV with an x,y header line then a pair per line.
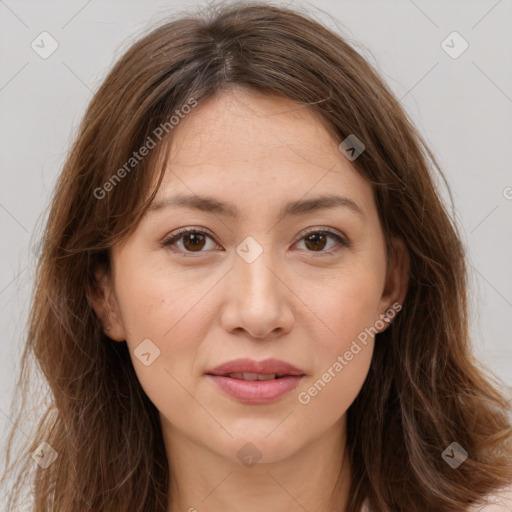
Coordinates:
x,y
192,240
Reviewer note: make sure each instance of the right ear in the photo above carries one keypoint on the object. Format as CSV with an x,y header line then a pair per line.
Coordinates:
x,y
106,306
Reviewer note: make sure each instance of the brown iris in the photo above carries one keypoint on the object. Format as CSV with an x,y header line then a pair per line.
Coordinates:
x,y
318,241
193,241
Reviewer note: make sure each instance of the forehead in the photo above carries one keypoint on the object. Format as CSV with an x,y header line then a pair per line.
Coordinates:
x,y
255,150
248,124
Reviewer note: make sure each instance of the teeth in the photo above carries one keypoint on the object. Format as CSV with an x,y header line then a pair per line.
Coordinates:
x,y
252,376
269,376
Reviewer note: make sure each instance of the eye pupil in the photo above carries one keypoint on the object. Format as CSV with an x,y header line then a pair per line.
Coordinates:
x,y
314,237
194,239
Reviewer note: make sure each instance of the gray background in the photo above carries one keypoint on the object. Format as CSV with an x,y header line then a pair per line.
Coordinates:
x,y
462,106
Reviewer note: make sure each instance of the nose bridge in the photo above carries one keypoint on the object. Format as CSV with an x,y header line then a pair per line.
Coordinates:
x,y
257,297
252,267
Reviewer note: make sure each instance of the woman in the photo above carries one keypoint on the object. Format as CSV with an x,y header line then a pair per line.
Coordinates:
x,y
250,296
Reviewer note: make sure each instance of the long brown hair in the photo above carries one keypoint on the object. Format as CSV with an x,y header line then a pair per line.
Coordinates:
x,y
424,389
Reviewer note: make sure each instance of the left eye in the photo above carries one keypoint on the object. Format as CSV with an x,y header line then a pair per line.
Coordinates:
x,y
193,240
318,240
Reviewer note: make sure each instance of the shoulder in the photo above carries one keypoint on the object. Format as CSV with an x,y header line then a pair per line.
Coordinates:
x,y
499,501
365,507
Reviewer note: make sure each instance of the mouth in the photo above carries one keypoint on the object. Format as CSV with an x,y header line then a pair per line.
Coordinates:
x,y
253,382
253,376
249,369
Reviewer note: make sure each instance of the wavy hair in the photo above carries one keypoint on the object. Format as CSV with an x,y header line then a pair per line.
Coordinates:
x,y
424,389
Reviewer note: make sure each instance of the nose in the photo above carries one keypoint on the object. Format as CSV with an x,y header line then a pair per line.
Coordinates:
x,y
258,300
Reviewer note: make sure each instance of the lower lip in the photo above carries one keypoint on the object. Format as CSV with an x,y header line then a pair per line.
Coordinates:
x,y
257,391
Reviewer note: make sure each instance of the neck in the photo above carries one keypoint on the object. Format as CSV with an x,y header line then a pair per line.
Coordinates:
x,y
315,478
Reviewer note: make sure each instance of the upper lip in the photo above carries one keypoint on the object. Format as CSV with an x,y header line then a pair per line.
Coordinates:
x,y
267,366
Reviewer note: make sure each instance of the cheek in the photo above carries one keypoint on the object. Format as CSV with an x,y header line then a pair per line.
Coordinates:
x,y
350,309
168,312
341,369
157,303
348,305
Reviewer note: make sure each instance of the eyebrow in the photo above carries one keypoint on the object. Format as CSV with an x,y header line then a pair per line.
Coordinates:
x,y
293,208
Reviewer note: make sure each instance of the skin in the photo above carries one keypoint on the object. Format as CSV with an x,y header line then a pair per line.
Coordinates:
x,y
295,302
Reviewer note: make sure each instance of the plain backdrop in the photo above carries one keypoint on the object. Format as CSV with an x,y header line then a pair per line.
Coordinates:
x,y
461,102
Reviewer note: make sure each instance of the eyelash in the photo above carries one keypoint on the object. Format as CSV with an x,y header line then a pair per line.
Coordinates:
x,y
177,235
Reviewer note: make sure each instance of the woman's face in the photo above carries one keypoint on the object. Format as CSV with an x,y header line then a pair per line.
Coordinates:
x,y
270,272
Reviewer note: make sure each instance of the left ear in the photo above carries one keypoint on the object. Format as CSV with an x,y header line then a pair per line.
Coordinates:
x,y
397,279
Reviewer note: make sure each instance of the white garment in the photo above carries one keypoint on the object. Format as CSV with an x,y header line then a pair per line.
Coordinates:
x,y
365,507
500,501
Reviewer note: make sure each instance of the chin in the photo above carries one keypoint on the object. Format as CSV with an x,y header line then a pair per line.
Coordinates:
x,y
254,445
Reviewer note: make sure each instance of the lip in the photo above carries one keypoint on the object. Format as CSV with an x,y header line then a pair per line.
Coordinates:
x,y
252,366
256,391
